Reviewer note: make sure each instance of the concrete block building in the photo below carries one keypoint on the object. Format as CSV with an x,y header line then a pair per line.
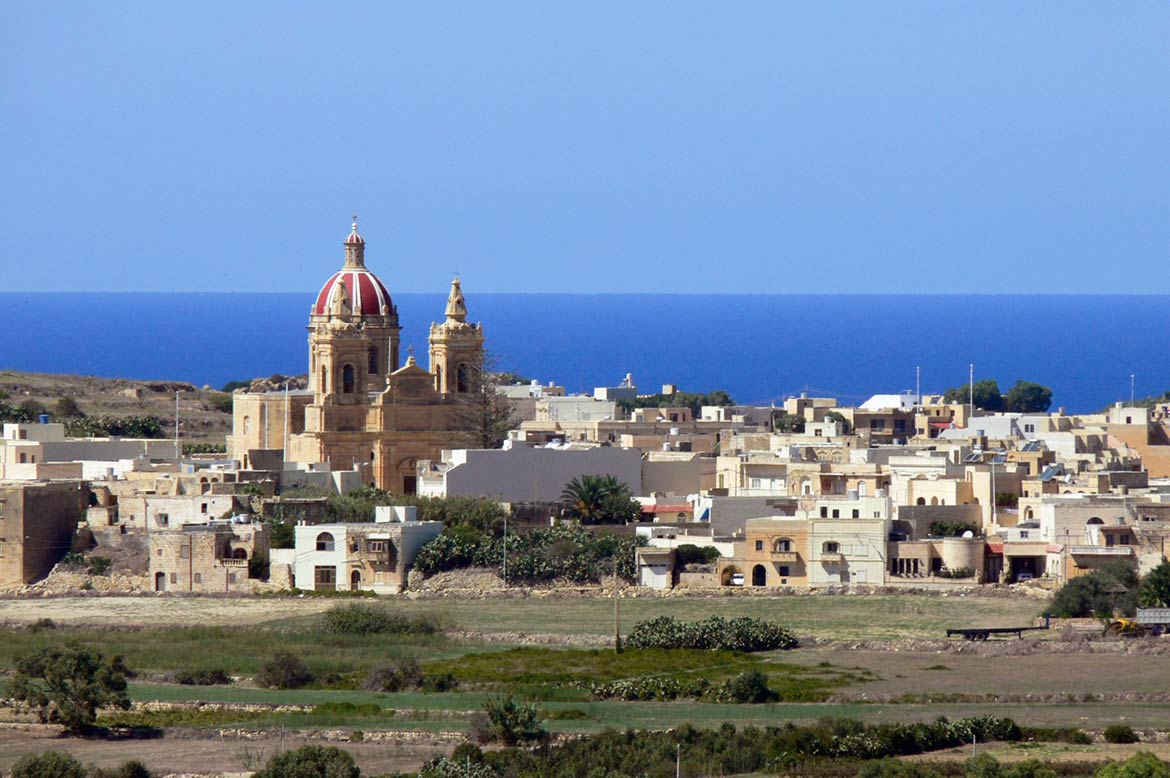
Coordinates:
x,y
37,525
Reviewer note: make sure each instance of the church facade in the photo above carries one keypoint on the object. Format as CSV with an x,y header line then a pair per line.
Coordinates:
x,y
361,408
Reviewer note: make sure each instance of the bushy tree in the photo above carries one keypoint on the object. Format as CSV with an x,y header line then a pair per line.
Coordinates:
x,y
986,395
67,408
67,684
787,422
310,762
48,764
1154,591
131,769
1140,765
1092,594
485,416
1027,397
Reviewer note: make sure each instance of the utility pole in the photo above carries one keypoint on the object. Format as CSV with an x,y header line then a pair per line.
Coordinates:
x,y
285,422
617,635
178,451
918,384
678,760
1131,390
505,550
971,394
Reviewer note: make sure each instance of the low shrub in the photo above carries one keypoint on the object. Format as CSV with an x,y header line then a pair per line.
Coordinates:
x,y
216,677
750,686
690,554
361,618
1120,733
284,671
48,764
1056,735
713,633
307,761
131,769
394,676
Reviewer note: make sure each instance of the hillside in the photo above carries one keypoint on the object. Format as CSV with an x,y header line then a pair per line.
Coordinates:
x,y
204,413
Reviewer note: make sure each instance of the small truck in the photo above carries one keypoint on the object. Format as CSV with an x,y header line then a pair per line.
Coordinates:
x,y
1148,621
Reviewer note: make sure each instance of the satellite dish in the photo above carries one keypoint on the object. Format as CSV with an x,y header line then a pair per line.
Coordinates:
x,y
968,534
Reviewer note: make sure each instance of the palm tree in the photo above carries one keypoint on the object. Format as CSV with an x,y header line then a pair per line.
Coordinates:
x,y
590,497
583,496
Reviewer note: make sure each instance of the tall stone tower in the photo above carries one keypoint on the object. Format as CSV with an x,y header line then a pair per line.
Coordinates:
x,y
456,347
353,332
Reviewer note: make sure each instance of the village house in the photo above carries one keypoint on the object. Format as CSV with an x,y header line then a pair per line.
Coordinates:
x,y
362,556
214,558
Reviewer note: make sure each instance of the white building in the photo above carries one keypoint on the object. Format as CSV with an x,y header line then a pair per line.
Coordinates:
x,y
524,474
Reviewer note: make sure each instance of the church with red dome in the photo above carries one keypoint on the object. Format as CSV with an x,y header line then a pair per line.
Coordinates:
x,y
364,408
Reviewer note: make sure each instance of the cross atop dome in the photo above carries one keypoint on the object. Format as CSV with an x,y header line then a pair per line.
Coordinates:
x,y
355,247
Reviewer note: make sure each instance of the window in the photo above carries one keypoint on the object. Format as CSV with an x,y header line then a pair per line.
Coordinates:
x,y
324,542
824,512
174,577
377,546
199,578
1024,535
759,545
782,546
247,425
899,425
831,547
203,507
1,548
324,578
158,552
348,379
836,513
185,552
23,458
856,513
877,425
373,361
755,483
231,578
783,571
163,519
463,378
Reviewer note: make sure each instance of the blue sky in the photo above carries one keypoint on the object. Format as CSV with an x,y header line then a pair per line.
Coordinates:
x,y
592,147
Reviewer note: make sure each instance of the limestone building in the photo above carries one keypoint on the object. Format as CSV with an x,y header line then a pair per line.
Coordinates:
x,y
362,408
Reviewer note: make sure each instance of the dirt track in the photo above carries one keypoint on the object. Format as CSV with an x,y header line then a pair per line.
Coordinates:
x,y
156,611
189,753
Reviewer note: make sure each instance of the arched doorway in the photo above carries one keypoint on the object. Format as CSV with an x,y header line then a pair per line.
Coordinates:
x,y
355,580
160,582
759,576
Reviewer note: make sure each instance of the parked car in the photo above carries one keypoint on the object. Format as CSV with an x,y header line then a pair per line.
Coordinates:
x,y
737,579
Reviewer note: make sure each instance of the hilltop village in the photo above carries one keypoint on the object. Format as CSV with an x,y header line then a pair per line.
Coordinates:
x,y
903,490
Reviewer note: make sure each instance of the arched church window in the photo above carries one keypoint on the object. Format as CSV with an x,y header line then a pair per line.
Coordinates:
x,y
463,378
324,380
373,361
347,379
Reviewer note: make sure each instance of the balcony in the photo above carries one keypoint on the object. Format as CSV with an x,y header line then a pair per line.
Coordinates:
x,y
785,557
830,559
228,562
1107,551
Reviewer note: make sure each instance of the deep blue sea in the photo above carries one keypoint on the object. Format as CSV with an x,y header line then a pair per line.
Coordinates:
x,y
759,348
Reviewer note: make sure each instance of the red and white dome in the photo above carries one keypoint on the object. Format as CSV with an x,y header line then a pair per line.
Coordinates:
x,y
365,292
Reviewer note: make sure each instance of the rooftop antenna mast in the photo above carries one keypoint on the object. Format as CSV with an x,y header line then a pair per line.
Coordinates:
x,y
1131,389
918,383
